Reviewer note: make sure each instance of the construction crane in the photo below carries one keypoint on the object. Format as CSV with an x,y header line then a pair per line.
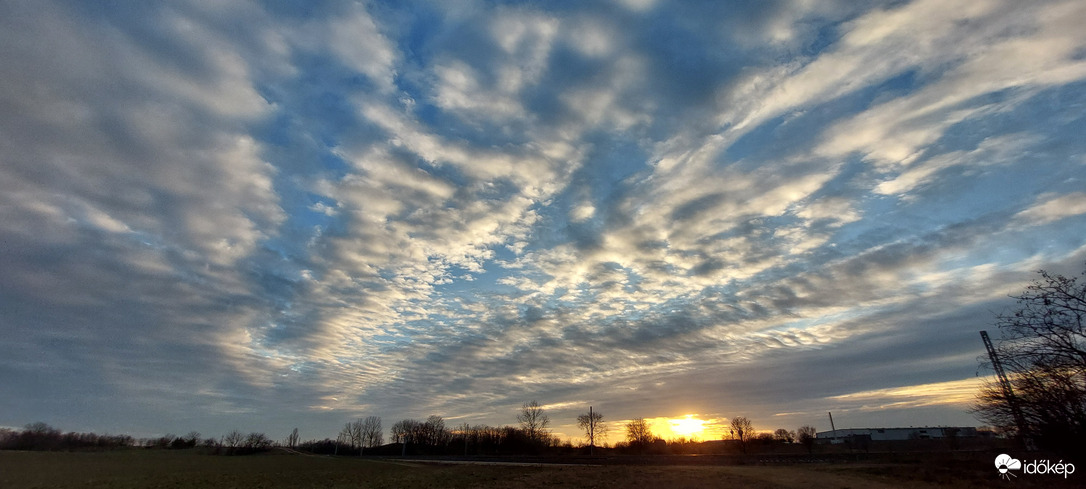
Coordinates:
x,y
1008,392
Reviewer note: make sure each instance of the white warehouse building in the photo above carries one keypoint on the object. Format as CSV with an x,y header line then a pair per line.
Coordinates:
x,y
892,434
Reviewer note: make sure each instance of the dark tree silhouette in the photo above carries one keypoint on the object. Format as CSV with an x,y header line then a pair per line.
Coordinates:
x,y
233,439
593,426
638,433
403,431
292,440
743,430
430,436
372,434
1043,351
351,433
40,436
534,421
805,435
256,442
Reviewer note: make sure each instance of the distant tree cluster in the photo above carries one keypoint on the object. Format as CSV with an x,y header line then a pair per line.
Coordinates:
x,y
428,434
41,436
232,443
433,437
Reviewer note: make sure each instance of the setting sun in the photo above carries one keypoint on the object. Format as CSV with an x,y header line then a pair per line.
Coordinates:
x,y
687,426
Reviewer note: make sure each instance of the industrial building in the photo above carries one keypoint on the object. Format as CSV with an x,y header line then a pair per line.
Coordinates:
x,y
895,434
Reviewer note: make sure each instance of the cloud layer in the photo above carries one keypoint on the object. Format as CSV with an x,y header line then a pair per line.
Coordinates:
x,y
266,216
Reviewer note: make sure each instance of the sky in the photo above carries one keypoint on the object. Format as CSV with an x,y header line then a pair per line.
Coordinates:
x,y
233,214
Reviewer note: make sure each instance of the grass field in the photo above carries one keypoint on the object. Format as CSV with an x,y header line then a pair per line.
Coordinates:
x,y
190,469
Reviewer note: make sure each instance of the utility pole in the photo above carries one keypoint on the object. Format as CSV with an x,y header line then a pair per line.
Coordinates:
x,y
591,432
833,437
1008,392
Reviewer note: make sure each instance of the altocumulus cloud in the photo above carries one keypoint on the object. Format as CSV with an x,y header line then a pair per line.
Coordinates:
x,y
264,216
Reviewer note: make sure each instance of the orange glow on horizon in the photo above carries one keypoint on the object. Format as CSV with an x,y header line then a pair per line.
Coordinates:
x,y
687,426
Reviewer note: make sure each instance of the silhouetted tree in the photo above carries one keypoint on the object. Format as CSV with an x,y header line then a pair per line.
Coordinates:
x,y
638,433
1043,350
164,441
371,433
805,435
403,431
255,442
742,429
784,436
434,433
292,439
233,440
352,433
593,426
39,436
534,421
8,438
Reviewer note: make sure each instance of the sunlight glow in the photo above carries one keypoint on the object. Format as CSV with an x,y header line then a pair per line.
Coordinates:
x,y
687,426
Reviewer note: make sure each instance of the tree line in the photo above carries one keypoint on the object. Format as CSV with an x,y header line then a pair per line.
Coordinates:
x,y
43,437
431,436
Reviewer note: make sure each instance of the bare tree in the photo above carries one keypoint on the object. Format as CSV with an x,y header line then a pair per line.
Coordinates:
x,y
638,432
404,431
742,429
806,437
192,438
593,426
534,421
352,433
434,431
257,441
292,440
463,433
233,440
1043,351
371,433
784,436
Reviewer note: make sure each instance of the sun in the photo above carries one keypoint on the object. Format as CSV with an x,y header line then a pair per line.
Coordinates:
x,y
687,426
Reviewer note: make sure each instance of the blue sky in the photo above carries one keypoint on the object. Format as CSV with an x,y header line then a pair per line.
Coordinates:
x,y
267,215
